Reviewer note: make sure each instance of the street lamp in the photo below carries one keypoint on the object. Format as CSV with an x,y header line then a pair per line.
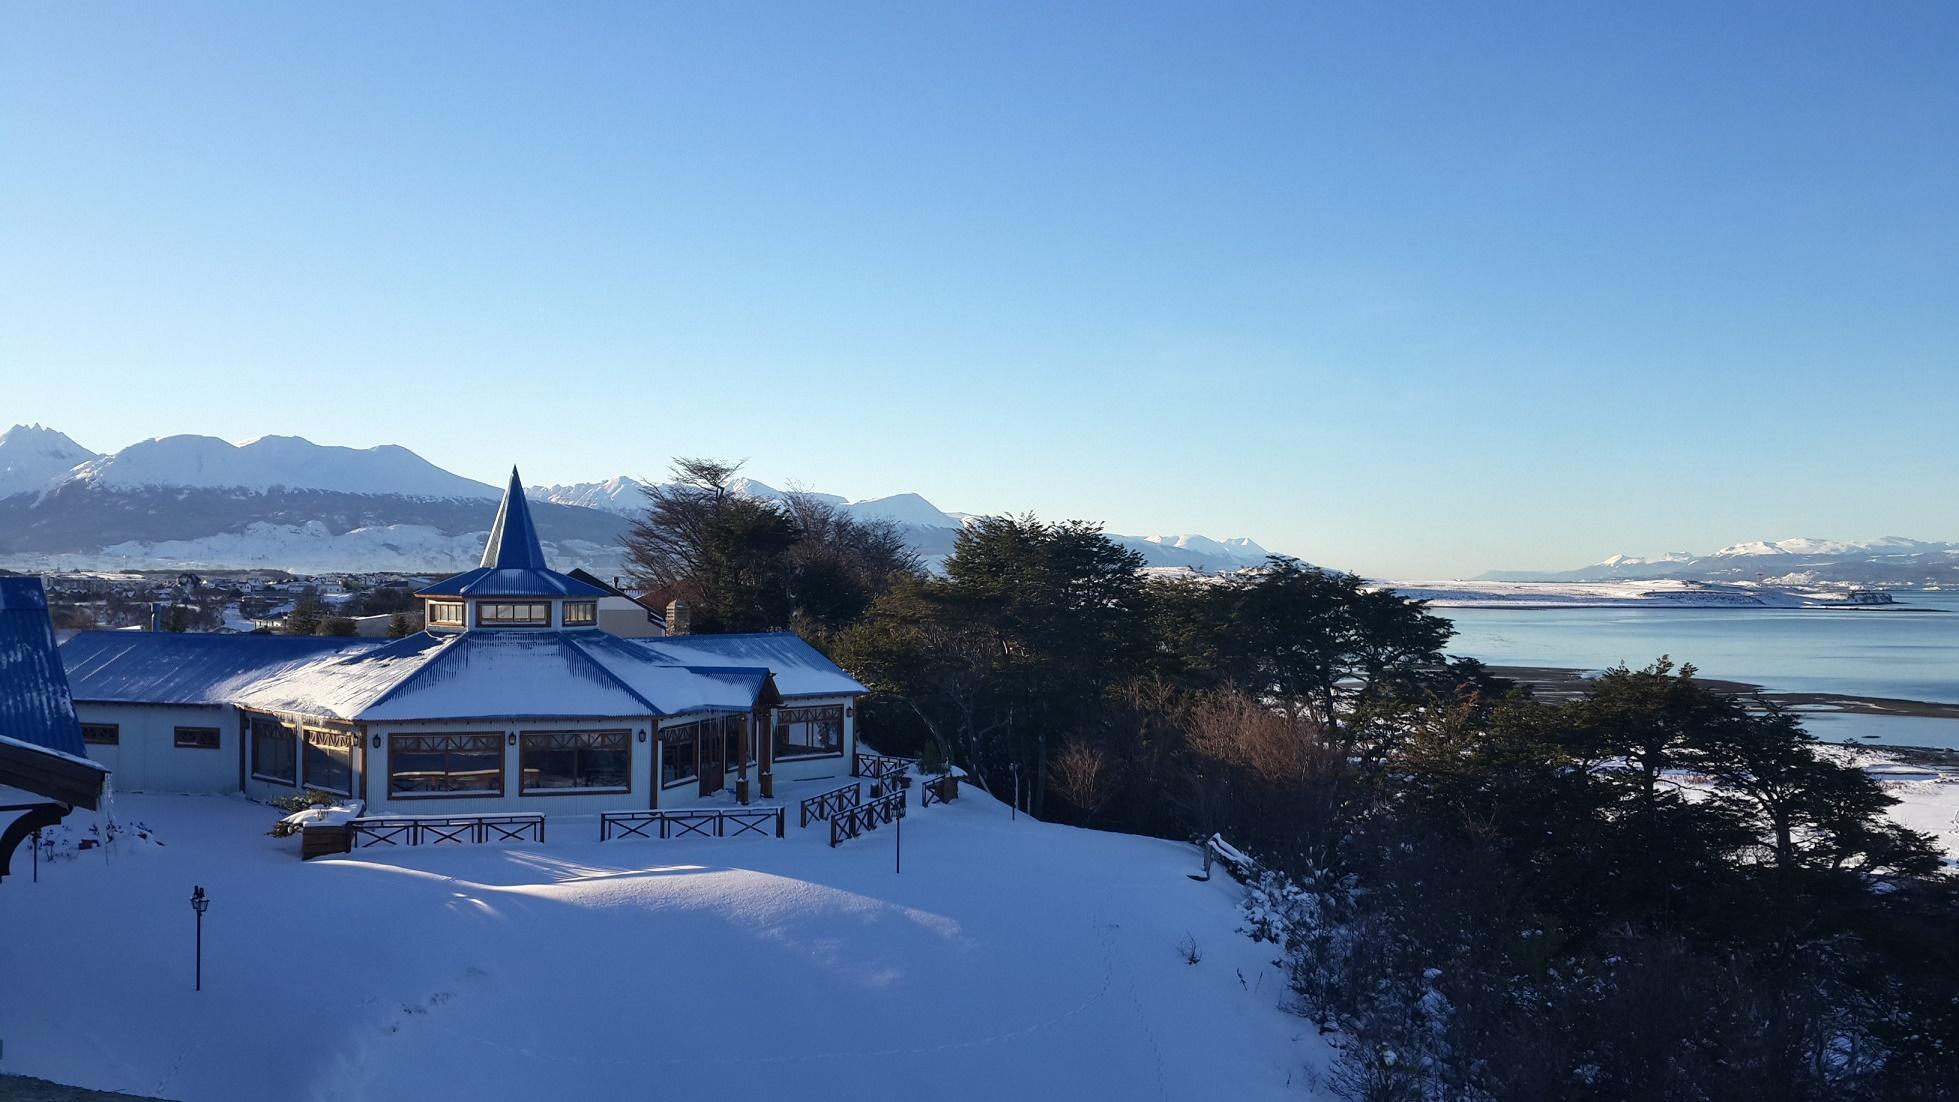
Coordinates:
x,y
199,902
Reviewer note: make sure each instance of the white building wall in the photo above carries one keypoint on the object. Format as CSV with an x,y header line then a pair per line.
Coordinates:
x,y
641,769
146,757
627,618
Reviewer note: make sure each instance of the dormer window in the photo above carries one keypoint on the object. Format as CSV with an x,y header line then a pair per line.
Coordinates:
x,y
503,614
449,613
581,613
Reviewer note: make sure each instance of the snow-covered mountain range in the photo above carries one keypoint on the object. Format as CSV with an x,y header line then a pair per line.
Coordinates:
x,y
1886,560
283,502
929,528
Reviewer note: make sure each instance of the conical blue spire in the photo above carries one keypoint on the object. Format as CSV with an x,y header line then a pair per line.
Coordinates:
x,y
513,538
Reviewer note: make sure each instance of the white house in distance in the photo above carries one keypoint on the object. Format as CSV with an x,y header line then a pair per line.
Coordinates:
x,y
513,699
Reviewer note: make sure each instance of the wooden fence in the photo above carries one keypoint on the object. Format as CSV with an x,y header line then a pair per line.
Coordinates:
x,y
938,790
825,804
417,830
885,773
854,821
707,822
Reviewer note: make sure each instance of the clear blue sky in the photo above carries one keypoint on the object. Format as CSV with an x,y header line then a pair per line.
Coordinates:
x,y
1415,290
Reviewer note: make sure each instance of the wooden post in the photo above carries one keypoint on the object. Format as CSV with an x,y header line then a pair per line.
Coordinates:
x,y
765,752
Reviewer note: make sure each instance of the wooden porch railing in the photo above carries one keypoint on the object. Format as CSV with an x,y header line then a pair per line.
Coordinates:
x,y
707,822
854,821
825,804
416,830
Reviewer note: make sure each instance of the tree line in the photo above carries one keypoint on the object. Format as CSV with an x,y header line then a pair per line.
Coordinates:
x,y
1649,892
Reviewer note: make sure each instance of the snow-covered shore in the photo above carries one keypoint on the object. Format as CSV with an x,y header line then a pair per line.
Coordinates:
x,y
1641,594
684,968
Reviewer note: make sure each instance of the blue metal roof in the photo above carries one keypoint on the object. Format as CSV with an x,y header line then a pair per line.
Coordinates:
x,y
799,669
35,705
513,560
513,537
139,667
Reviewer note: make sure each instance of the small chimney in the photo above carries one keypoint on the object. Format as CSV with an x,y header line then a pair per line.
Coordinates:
x,y
677,618
156,616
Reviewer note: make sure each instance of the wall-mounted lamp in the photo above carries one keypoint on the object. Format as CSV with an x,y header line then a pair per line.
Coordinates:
x,y
848,711
377,742
512,739
642,734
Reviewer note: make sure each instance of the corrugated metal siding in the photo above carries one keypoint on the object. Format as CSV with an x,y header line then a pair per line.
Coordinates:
x,y
35,706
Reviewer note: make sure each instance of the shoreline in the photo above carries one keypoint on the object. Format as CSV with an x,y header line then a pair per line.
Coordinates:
x,y
1560,683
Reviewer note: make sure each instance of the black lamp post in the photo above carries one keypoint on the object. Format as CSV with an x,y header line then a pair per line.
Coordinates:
x,y
199,902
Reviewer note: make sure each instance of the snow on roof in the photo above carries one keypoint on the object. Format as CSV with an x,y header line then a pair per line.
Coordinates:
x,y
35,706
342,684
498,674
671,688
186,668
800,669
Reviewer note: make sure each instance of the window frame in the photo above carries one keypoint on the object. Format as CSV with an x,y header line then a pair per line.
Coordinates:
x,y
692,738
114,739
325,741
565,614
530,621
784,718
216,743
462,614
524,740
253,731
493,738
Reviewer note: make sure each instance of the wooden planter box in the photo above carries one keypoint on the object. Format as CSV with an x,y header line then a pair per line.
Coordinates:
x,y
323,841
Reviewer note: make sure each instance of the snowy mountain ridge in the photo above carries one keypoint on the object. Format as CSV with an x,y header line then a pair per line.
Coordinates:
x,y
1803,560
285,502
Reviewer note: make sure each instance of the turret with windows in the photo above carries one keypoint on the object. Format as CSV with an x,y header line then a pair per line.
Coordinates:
x,y
513,589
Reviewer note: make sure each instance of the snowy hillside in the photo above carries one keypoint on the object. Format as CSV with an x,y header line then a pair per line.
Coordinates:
x,y
32,458
1009,959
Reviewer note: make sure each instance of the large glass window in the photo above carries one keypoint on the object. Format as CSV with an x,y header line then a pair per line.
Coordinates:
x,y
577,613
197,738
329,760
446,612
576,761
808,732
273,751
679,754
734,754
101,734
493,614
445,765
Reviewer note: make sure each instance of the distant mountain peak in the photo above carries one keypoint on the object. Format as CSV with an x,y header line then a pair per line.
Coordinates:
x,y
32,458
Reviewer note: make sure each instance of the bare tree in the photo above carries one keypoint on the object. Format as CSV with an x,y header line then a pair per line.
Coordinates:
x,y
1081,772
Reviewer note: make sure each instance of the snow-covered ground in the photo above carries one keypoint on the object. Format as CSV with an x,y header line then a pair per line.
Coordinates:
x,y
1928,801
1009,957
1649,594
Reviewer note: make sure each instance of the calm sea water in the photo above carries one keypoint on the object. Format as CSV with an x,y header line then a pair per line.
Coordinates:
x,y
1909,655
